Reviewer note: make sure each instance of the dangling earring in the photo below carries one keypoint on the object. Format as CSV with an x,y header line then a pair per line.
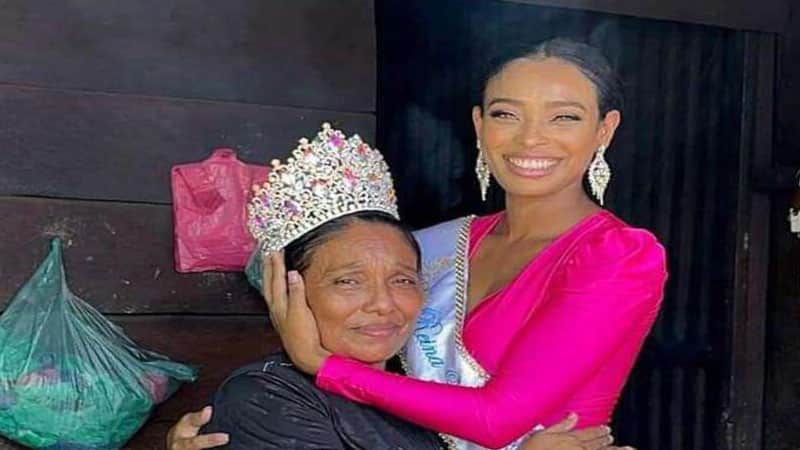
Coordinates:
x,y
482,171
599,174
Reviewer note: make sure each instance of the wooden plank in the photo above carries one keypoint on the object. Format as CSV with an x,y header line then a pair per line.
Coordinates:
x,y
217,344
779,178
314,53
744,427
151,437
118,257
768,15
119,147
787,99
5,444
781,422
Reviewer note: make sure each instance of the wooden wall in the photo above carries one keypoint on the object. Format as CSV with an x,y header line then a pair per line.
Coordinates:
x,y
781,419
99,99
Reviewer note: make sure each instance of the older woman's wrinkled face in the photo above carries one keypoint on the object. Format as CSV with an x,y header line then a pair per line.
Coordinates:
x,y
540,127
364,289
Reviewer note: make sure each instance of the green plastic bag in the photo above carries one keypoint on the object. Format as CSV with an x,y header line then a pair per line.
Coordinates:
x,y
70,378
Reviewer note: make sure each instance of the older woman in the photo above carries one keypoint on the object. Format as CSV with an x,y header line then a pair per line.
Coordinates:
x,y
354,272
361,275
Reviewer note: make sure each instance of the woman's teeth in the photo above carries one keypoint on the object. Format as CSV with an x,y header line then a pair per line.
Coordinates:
x,y
533,164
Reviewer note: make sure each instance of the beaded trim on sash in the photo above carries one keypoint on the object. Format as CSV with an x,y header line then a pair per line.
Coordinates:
x,y
461,266
462,277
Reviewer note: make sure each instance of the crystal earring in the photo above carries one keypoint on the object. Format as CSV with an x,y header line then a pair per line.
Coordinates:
x,y
599,174
482,171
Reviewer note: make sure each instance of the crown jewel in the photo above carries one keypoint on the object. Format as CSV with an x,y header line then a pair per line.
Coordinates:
x,y
324,179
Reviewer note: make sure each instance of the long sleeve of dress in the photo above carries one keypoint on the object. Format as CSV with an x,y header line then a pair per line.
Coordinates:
x,y
610,296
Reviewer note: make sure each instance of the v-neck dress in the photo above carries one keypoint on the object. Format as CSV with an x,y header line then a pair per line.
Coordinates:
x,y
561,337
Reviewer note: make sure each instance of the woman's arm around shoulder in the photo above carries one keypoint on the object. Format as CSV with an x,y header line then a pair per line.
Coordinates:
x,y
605,299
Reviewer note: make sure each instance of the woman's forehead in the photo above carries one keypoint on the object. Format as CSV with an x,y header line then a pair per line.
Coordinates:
x,y
362,244
548,79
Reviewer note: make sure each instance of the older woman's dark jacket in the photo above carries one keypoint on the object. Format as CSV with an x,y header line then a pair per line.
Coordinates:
x,y
272,405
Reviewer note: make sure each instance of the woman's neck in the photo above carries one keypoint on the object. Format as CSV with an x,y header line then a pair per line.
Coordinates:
x,y
544,218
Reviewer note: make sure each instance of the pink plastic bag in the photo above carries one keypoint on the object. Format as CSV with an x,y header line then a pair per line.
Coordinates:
x,y
209,201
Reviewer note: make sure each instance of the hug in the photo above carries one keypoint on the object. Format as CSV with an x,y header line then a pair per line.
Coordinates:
x,y
532,317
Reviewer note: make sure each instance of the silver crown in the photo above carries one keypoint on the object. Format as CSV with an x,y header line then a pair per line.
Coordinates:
x,y
324,179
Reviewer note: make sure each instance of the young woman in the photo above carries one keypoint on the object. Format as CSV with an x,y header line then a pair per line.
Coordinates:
x,y
538,310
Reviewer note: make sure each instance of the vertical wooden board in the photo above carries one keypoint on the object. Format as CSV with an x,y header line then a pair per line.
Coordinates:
x,y
749,304
121,147
118,257
315,53
787,98
782,386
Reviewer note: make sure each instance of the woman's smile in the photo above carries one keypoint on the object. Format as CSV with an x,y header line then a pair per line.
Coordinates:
x,y
531,166
378,331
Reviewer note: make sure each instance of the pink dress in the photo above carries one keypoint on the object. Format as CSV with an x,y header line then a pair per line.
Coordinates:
x,y
561,337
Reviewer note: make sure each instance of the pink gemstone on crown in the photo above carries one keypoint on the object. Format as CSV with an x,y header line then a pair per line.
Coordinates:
x,y
350,178
309,157
337,141
292,207
318,187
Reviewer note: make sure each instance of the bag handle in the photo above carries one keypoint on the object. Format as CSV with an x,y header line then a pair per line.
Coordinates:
x,y
224,154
